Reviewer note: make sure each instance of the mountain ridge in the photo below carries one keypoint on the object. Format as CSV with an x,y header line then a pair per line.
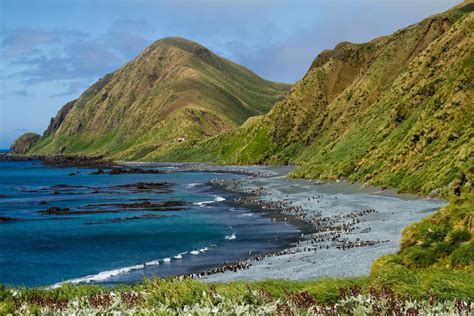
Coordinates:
x,y
407,89
174,91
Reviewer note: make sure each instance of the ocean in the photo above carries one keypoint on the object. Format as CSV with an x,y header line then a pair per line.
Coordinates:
x,y
110,235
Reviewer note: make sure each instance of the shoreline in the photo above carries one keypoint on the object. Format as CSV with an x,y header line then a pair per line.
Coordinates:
x,y
341,232
251,204
318,252
352,225
134,274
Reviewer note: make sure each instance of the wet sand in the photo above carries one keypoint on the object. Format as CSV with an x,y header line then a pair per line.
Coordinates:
x,y
352,225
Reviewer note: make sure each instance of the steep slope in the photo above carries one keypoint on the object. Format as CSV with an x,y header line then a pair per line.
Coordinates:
x,y
176,91
395,112
24,143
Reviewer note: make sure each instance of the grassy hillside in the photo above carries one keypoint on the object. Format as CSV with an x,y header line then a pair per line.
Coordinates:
x,y
395,112
174,92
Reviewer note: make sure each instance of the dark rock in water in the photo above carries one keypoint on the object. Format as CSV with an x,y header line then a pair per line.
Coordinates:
x,y
163,187
43,203
123,219
116,171
158,206
4,219
56,210
67,211
119,171
65,186
28,190
100,171
151,186
72,174
24,143
60,186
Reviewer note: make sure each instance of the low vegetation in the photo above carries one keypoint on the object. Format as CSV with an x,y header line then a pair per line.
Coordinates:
x,y
444,239
391,289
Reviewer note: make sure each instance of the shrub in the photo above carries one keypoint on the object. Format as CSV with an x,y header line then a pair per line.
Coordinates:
x,y
458,236
4,292
418,257
435,233
463,255
443,249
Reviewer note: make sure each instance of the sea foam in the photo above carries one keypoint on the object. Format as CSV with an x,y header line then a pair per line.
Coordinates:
x,y
204,203
101,276
105,275
231,237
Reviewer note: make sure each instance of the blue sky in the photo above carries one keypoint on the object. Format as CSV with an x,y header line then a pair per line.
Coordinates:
x,y
51,50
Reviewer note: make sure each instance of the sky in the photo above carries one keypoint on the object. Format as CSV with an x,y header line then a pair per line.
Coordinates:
x,y
51,50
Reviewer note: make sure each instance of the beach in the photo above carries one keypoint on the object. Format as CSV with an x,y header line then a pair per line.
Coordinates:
x,y
352,225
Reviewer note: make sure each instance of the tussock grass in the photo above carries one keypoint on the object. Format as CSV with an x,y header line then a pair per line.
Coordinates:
x,y
178,294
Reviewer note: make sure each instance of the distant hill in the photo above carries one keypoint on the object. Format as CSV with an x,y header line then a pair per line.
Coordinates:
x,y
176,91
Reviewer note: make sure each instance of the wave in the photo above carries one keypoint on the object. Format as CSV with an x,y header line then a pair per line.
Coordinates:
x,y
192,185
180,255
153,263
231,237
105,275
219,199
246,214
101,276
204,203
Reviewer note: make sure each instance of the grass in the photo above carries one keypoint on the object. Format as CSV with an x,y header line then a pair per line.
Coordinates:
x,y
180,294
443,239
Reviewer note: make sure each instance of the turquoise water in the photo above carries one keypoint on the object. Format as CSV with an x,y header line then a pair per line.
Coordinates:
x,y
122,246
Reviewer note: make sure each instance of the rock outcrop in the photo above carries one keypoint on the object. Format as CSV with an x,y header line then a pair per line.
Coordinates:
x,y
24,143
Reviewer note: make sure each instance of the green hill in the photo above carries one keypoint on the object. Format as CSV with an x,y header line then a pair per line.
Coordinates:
x,y
176,91
394,112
